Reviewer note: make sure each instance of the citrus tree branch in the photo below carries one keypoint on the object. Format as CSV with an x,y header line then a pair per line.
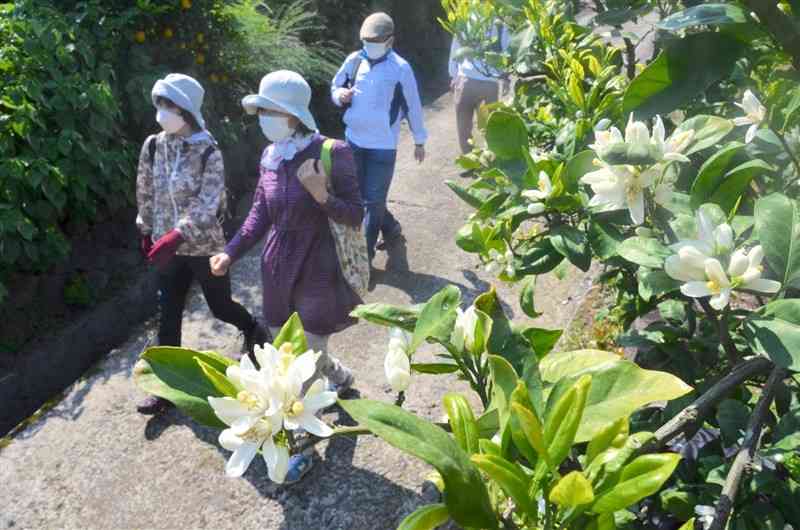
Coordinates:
x,y
695,413
748,450
780,26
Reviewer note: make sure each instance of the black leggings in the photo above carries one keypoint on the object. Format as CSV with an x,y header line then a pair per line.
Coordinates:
x,y
176,280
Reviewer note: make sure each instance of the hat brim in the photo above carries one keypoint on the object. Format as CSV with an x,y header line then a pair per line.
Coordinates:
x,y
166,90
254,102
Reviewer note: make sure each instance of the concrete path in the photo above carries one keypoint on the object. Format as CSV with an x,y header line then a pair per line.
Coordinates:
x,y
93,462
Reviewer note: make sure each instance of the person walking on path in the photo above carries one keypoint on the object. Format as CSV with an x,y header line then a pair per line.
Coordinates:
x,y
379,89
180,189
300,270
474,84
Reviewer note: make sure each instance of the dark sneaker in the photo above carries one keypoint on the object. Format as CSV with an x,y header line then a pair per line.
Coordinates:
x,y
344,386
388,242
153,405
257,336
299,466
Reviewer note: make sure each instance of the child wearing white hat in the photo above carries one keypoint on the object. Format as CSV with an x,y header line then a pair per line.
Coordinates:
x,y
180,190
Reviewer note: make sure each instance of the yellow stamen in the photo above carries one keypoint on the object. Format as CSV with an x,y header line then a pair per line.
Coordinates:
x,y
298,408
249,400
713,287
258,432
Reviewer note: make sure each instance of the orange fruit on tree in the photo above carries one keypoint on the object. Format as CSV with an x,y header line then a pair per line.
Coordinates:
x,y
139,36
200,59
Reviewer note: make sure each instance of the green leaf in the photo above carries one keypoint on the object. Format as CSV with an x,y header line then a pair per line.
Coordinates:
x,y
564,418
712,173
293,333
572,490
465,493
520,398
532,428
578,166
435,368
462,422
404,318
541,259
708,131
175,375
604,239
504,381
619,387
732,416
688,525
437,318
736,183
526,298
774,331
607,438
571,243
647,252
681,72
510,477
534,385
542,340
704,15
504,341
506,135
654,283
641,478
218,379
426,518
465,194
778,230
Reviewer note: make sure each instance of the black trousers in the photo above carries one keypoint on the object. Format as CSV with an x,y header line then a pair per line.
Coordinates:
x,y
175,281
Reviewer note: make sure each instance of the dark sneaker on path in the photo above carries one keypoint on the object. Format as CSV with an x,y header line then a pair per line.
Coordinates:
x,y
299,466
257,336
153,405
346,384
388,242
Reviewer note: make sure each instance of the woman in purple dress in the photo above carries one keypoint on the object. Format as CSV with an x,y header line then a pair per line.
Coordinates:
x,y
292,206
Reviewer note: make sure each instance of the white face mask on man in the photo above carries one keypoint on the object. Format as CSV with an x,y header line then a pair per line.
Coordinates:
x,y
275,128
376,50
170,121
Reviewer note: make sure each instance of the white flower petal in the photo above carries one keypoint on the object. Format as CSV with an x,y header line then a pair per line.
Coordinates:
x,y
228,409
300,371
723,237
715,273
739,263
240,459
267,356
659,134
763,285
677,157
721,300
741,121
277,460
314,425
319,401
756,256
229,440
636,207
679,270
695,289
536,208
751,133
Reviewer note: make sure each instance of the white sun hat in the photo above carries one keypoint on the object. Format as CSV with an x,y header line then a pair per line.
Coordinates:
x,y
284,91
184,91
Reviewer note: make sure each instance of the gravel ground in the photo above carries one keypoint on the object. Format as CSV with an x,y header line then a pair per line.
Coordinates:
x,y
92,462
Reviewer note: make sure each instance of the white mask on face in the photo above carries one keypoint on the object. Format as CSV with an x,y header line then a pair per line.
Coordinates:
x,y
170,121
275,128
375,50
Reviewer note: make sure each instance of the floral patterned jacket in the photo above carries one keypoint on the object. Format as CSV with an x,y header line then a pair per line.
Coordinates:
x,y
173,192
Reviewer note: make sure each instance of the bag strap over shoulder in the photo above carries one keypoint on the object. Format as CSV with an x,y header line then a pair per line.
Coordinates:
x,y
151,148
326,156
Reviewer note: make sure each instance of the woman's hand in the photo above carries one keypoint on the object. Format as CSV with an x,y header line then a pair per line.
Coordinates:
x,y
220,264
314,180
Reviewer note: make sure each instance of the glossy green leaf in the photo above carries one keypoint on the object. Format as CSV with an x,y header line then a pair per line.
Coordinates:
x,y
564,419
462,422
712,173
526,298
520,398
653,283
542,340
647,252
708,131
604,239
572,490
435,368
704,15
465,194
641,478
175,375
506,135
607,437
558,366
465,493
681,72
774,331
737,182
437,318
578,166
504,381
540,259
510,477
293,333
778,230
572,244
217,378
426,518
534,384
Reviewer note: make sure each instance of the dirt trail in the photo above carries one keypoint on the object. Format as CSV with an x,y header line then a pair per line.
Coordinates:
x,y
93,462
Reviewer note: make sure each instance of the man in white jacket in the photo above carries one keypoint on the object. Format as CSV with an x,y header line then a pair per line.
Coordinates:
x,y
474,84
380,90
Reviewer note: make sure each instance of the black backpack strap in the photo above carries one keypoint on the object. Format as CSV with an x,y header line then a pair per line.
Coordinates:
x,y
206,155
351,80
399,107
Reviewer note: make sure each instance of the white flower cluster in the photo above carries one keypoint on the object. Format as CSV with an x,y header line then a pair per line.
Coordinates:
x,y
397,364
539,196
501,262
622,186
270,399
755,114
710,267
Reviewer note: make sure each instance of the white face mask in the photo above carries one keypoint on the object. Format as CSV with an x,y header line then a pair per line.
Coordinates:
x,y
275,128
171,122
375,50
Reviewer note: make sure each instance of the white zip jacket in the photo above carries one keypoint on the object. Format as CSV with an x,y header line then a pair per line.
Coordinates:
x,y
475,69
373,119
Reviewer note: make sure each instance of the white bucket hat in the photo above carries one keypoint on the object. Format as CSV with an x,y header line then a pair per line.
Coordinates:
x,y
284,91
184,91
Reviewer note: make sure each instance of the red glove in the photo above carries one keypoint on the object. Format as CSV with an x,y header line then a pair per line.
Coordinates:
x,y
147,244
165,248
